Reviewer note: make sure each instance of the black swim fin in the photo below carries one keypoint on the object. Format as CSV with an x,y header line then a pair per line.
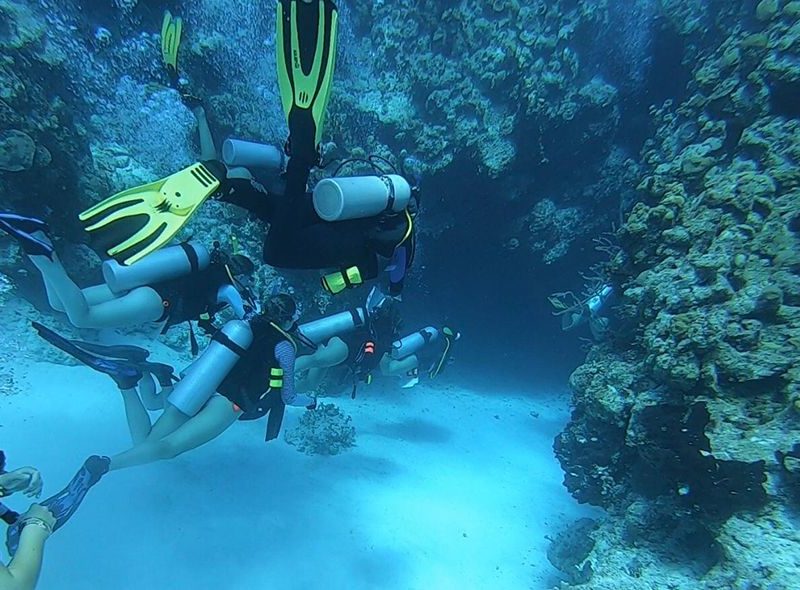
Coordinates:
x,y
124,373
127,352
64,504
27,224
22,229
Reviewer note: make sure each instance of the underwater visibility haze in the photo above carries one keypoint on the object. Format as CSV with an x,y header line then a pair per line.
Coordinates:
x,y
420,294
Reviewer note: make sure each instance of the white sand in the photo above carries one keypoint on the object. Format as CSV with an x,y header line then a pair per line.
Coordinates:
x,y
446,489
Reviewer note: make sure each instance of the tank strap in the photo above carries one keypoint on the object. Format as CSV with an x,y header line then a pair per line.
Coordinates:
x,y
357,321
191,255
286,335
392,196
223,339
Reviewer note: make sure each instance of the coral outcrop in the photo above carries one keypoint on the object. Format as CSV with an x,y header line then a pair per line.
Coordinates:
x,y
677,421
323,431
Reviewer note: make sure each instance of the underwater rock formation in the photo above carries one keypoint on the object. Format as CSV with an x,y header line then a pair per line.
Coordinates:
x,y
16,151
478,77
677,421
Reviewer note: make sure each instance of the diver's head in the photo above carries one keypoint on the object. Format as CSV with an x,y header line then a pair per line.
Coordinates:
x,y
385,318
282,310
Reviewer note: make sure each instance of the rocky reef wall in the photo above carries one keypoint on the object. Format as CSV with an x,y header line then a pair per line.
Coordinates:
x,y
679,415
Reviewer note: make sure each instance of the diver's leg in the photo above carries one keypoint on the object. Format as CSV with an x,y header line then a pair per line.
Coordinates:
x,y
136,307
207,149
152,399
52,295
136,414
214,419
97,294
394,368
317,364
93,295
327,355
168,422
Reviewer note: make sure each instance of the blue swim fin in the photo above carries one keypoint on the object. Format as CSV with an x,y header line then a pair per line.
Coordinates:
x,y
124,373
64,504
18,228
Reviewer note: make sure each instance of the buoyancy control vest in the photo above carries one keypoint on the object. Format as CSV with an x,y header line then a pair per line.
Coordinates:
x,y
255,384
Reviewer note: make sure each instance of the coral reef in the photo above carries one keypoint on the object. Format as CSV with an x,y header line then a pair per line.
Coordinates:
x,y
323,431
475,77
677,421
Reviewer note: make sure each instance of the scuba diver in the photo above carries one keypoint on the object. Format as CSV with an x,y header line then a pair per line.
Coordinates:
x,y
347,224
35,526
595,310
429,349
246,373
357,340
174,285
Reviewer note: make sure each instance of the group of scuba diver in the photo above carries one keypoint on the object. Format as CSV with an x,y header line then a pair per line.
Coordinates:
x,y
261,359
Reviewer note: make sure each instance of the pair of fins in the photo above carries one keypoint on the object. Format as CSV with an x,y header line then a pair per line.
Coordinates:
x,y
136,222
126,365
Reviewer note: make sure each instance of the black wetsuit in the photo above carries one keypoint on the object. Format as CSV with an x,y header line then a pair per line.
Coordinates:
x,y
299,239
190,297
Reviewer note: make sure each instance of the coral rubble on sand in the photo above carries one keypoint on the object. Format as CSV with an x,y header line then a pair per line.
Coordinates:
x,y
325,431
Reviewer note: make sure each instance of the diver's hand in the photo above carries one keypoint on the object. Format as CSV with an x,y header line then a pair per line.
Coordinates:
x,y
26,480
39,513
312,405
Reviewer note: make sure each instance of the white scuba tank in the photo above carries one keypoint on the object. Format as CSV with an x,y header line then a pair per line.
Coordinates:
x,y
413,343
356,197
237,152
161,265
204,376
323,329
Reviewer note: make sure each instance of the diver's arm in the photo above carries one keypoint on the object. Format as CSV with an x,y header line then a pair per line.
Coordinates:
x,y
23,571
7,515
207,149
398,266
228,295
249,195
284,353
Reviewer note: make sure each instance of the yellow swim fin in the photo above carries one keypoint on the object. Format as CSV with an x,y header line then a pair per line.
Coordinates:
x,y
171,30
133,223
306,56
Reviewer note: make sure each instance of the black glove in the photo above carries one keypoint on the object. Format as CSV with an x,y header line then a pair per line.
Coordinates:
x,y
9,517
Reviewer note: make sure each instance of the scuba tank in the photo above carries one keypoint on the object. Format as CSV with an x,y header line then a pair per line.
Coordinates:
x,y
237,152
162,265
202,378
323,329
356,197
412,343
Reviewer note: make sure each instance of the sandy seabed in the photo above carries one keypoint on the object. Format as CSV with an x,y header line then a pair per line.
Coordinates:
x,y
446,488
